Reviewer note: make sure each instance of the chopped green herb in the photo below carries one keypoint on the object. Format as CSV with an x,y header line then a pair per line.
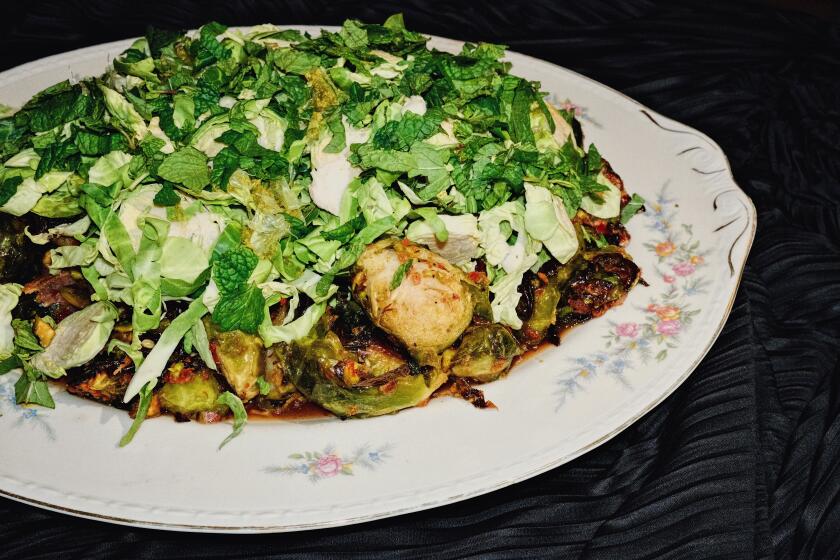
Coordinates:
x,y
32,388
167,196
400,273
263,385
633,207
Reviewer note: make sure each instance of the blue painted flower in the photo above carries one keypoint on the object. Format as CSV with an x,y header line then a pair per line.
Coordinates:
x,y
617,366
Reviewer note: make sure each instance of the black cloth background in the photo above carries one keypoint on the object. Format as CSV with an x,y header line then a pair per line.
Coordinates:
x,y
743,460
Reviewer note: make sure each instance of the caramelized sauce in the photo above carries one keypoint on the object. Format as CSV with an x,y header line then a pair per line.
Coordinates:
x,y
531,353
297,409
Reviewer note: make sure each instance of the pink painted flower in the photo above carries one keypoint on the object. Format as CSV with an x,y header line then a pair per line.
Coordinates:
x,y
652,307
683,269
669,279
569,106
630,330
329,465
668,328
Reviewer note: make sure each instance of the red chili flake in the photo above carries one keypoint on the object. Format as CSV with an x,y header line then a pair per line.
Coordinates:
x,y
415,278
405,242
177,375
477,277
543,277
214,351
601,226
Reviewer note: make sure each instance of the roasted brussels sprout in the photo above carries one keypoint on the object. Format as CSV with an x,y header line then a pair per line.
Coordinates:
x,y
413,294
197,395
370,380
57,295
20,259
241,360
275,369
104,379
541,294
485,352
604,281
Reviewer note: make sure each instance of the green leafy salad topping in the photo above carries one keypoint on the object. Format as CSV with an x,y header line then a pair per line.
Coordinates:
x,y
234,169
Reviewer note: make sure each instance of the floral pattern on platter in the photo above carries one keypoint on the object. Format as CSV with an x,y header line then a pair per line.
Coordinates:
x,y
25,415
565,104
318,465
679,266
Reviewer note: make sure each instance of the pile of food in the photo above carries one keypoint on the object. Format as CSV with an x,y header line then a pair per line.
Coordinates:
x,y
256,221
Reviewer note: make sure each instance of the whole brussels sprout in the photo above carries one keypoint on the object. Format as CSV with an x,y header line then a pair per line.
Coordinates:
x,y
413,294
199,394
485,352
369,382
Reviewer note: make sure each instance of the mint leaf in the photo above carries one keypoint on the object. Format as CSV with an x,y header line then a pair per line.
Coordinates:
x,y
158,39
354,35
32,389
336,128
8,188
25,341
431,163
61,104
401,134
187,167
9,364
294,61
224,164
422,159
242,311
94,144
636,203
167,196
232,269
520,115
593,160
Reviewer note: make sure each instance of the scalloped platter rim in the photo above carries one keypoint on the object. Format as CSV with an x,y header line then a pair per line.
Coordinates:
x,y
691,243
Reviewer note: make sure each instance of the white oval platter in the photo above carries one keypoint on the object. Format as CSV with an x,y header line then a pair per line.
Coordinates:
x,y
293,475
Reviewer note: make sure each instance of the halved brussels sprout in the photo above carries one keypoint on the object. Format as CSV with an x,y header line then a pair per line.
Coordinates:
x,y
240,358
199,394
485,353
603,281
20,259
544,292
369,381
104,379
275,372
